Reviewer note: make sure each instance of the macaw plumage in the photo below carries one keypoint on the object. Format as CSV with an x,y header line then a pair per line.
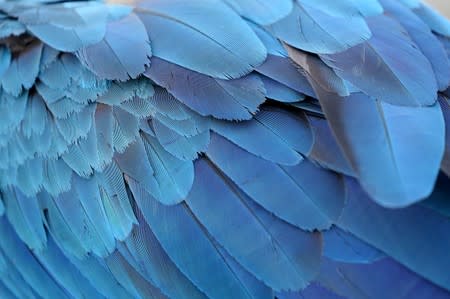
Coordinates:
x,y
246,149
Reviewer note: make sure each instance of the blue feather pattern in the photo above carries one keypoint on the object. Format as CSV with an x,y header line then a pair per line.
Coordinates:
x,y
296,149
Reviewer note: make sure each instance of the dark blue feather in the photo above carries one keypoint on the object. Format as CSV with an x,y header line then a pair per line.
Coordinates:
x,y
421,245
252,174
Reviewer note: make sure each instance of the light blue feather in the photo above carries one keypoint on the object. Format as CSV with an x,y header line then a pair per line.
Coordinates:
x,y
110,57
225,99
206,49
263,13
322,27
427,42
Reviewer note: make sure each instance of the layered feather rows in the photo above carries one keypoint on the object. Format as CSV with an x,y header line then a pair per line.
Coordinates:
x,y
224,149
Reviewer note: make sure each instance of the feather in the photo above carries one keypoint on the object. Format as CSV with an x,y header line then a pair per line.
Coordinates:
x,y
81,226
168,106
10,27
427,42
35,119
280,92
209,48
377,68
224,99
253,174
369,8
133,164
370,281
272,44
199,261
110,57
276,135
342,246
220,208
116,201
445,106
313,291
282,70
87,191
326,150
57,176
66,27
434,20
260,12
5,60
130,279
64,273
27,265
376,139
174,177
385,128
25,216
189,127
322,27
420,245
29,176
182,147
254,287
125,129
119,92
22,72
154,263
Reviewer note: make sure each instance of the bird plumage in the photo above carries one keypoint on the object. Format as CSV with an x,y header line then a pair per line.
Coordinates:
x,y
224,149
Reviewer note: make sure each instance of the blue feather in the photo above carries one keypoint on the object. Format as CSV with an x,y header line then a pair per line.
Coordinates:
x,y
388,67
283,70
428,43
154,263
5,60
132,281
280,92
174,177
66,27
224,99
263,13
326,150
381,279
433,19
276,135
342,246
322,27
421,244
313,291
199,261
445,106
376,138
25,216
27,265
182,147
64,272
225,214
110,57
252,174
206,48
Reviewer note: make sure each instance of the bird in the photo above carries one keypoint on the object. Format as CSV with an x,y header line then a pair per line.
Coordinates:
x,y
245,149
